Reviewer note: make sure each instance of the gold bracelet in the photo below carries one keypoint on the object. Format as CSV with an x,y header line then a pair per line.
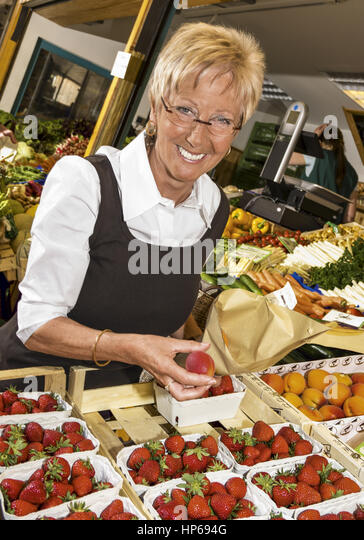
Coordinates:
x,y
94,350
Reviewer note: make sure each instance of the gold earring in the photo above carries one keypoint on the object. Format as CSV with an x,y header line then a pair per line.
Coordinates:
x,y
151,129
229,152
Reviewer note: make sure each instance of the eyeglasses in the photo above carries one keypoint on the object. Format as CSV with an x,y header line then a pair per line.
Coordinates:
x,y
185,117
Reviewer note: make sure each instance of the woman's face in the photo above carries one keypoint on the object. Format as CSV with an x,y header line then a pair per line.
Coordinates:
x,y
181,155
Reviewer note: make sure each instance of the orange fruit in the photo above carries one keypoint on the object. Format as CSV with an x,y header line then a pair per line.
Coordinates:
x,y
312,414
337,394
343,378
354,406
331,412
294,382
294,399
357,378
313,398
316,379
274,381
358,389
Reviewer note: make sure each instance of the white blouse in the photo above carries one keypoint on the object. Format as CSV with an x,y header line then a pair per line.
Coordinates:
x,y
59,255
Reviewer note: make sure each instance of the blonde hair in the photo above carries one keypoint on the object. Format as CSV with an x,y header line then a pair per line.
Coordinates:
x,y
196,47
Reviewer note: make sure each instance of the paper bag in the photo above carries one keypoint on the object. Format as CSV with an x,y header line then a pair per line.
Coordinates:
x,y
247,333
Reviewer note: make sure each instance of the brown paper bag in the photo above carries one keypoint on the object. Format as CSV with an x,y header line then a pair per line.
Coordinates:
x,y
248,333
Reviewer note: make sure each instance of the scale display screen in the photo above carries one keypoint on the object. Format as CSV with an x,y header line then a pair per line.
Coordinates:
x,y
293,117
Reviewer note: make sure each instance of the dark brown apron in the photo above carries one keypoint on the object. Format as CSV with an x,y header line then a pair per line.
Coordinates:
x,y
113,297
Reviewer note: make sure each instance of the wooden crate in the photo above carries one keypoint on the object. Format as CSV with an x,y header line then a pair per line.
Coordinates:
x,y
136,420
8,262
54,377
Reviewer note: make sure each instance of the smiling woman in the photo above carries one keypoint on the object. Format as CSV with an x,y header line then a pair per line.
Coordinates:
x,y
81,299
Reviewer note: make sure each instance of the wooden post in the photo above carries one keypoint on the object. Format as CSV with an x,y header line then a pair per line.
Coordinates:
x,y
11,40
142,41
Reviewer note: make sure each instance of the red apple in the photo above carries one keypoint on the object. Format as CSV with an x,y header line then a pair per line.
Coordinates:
x,y
200,362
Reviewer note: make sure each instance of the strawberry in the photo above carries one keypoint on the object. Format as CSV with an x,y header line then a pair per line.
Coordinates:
x,y
9,397
236,487
346,516
210,444
47,403
1,403
217,390
3,446
317,462
82,467
233,440
227,384
306,495
170,465
347,486
64,450
51,437
251,452
262,432
223,505
85,445
198,508
71,427
217,487
156,448
137,458
302,448
175,444
79,512
18,408
195,459
34,493
329,517
327,491
243,513
150,471
123,516
57,468
12,433
286,477
283,494
263,481
309,475
179,496
309,515
161,499
265,454
170,511
279,445
52,502
34,432
82,485
74,438
12,487
196,484
115,507
59,489
289,434
190,445
359,512
22,508
334,476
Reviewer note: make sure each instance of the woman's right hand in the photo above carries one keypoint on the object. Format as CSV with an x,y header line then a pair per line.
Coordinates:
x,y
156,355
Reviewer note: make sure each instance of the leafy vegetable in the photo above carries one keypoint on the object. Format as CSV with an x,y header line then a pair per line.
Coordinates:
x,y
348,268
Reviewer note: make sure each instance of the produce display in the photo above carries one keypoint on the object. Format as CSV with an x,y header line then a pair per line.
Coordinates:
x,y
115,511
320,395
156,462
199,498
262,443
31,442
12,402
54,483
309,482
344,515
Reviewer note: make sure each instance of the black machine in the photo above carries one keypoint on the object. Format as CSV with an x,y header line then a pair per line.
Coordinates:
x,y
287,201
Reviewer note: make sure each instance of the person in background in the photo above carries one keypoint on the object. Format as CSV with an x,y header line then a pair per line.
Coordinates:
x,y
5,132
333,172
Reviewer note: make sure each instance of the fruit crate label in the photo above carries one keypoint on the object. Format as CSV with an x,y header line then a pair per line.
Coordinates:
x,y
344,318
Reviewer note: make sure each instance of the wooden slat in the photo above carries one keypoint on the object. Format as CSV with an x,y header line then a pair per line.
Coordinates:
x,y
110,442
115,397
204,429
80,11
54,377
139,425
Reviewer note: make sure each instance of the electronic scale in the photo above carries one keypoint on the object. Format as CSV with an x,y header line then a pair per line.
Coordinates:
x,y
288,201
